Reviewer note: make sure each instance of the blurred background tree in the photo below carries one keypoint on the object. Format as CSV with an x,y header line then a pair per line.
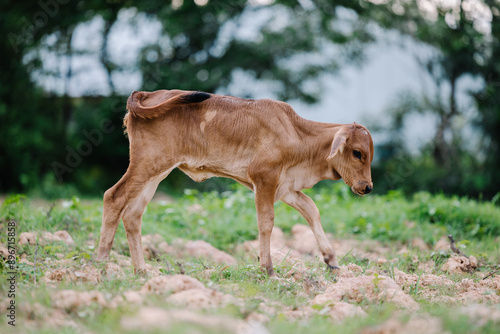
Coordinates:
x,y
284,45
466,36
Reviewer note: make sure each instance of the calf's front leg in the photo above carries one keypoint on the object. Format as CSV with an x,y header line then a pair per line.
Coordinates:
x,y
264,203
299,201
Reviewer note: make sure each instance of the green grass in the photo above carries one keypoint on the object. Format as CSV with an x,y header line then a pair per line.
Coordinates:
x,y
228,219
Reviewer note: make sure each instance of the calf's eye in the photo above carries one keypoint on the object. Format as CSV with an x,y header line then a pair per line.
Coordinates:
x,y
357,154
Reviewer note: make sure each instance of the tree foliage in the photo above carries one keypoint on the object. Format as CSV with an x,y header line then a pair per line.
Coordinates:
x,y
48,132
197,50
466,36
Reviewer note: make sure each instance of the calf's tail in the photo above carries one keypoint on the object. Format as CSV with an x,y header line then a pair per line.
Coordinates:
x,y
137,108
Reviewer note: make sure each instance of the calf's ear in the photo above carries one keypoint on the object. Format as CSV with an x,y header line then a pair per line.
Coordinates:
x,y
338,144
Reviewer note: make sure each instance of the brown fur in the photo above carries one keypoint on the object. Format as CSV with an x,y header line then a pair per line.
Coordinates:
x,y
262,144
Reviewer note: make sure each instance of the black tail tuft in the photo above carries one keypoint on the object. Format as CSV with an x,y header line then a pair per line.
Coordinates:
x,y
196,97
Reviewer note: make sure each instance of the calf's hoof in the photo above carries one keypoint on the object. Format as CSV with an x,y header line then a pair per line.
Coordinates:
x,y
141,272
102,258
268,270
331,262
333,269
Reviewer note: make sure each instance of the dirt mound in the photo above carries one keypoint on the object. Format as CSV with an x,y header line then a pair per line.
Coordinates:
x,y
59,236
86,273
122,260
443,244
492,283
343,310
303,240
171,284
371,250
4,252
112,270
406,281
148,318
154,246
36,313
27,238
419,244
419,324
427,267
200,248
366,288
200,299
482,314
278,241
71,300
154,318
59,275
298,314
133,297
460,265
354,268
287,257
185,291
467,291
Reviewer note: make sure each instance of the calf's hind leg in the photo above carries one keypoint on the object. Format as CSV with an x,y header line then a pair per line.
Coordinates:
x,y
132,221
127,199
265,181
115,201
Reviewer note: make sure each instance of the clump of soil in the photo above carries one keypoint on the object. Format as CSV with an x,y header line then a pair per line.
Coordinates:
x,y
470,292
113,270
420,244
122,260
343,310
481,314
201,299
154,318
71,300
200,248
37,314
443,244
370,288
171,284
58,236
460,265
418,324
438,289
4,252
186,291
354,268
29,238
133,297
303,240
278,241
85,273
408,281
154,246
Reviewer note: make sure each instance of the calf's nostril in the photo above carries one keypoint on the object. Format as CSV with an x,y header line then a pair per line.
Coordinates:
x,y
368,189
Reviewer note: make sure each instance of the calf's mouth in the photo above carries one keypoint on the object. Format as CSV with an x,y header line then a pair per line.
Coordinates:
x,y
357,192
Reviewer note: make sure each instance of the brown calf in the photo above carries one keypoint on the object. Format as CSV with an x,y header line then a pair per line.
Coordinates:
x,y
262,144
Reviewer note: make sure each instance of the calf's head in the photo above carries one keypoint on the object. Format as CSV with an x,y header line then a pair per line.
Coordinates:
x,y
351,155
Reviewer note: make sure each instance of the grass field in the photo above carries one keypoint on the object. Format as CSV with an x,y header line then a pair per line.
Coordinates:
x,y
398,272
